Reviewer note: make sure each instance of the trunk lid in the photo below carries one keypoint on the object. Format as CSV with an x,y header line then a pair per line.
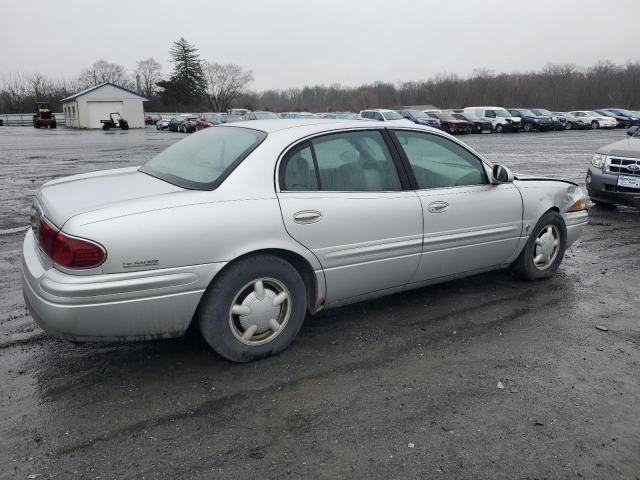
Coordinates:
x,y
66,197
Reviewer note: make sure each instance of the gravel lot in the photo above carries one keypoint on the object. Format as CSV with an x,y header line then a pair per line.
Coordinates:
x,y
401,387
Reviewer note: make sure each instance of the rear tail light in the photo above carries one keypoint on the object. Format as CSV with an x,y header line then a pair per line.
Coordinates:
x,y
69,252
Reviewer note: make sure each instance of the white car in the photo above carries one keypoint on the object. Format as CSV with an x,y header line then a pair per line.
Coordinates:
x,y
595,119
500,118
383,115
163,123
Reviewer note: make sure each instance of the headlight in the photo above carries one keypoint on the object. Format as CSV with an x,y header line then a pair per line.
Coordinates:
x,y
598,160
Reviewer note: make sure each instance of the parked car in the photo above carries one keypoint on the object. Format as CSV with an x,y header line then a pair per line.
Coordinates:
x,y
421,118
622,122
481,126
192,125
632,118
453,125
148,120
556,121
260,116
595,119
187,123
573,122
383,115
297,115
614,173
175,122
530,121
246,230
501,120
163,122
341,115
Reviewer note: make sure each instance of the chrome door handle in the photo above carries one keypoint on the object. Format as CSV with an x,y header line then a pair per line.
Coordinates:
x,y
307,216
438,207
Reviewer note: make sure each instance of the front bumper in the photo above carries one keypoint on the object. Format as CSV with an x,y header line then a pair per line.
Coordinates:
x,y
575,223
140,305
603,187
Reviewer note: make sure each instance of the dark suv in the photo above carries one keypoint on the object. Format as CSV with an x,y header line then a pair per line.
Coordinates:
x,y
613,175
530,121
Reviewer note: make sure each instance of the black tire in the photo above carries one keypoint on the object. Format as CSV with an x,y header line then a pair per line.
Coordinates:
x,y
124,125
499,128
105,126
220,327
53,125
524,266
595,125
568,126
527,127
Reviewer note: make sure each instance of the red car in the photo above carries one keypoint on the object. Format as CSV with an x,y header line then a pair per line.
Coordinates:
x,y
148,120
451,124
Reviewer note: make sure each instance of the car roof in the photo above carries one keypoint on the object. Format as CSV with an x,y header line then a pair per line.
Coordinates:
x,y
314,125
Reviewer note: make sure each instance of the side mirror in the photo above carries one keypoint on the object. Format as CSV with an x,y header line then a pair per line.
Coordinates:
x,y
501,174
633,130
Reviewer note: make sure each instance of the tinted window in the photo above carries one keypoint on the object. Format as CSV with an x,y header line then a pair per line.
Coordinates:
x,y
202,161
490,114
438,162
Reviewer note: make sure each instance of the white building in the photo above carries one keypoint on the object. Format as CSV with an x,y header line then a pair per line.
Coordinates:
x,y
85,109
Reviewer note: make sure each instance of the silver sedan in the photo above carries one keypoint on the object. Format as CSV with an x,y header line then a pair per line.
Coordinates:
x,y
247,228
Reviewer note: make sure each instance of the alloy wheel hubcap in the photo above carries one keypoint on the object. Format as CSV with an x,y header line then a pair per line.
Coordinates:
x,y
260,311
546,247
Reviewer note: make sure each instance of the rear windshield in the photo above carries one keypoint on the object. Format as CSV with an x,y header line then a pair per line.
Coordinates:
x,y
203,160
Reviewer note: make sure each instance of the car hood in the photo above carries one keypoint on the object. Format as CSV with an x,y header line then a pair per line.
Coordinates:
x,y
629,147
66,197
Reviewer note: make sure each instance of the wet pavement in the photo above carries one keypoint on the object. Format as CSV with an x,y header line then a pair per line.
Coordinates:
x,y
401,387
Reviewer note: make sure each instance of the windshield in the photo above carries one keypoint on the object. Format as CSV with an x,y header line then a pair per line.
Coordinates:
x,y
447,116
502,113
624,112
392,116
593,114
265,115
527,113
417,114
204,160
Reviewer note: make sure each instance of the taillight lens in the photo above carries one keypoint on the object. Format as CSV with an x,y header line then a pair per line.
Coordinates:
x,y
69,252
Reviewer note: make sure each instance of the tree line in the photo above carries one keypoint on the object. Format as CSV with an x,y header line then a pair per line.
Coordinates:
x,y
197,85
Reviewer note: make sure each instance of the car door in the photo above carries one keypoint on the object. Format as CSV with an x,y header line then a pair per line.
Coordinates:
x,y
469,223
343,197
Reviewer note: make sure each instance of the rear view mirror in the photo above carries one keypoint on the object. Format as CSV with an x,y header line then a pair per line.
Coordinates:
x,y
501,174
633,130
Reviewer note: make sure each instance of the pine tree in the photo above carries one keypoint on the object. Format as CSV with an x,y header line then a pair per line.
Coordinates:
x,y
187,69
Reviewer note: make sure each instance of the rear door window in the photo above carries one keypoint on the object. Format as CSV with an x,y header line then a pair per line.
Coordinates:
x,y
343,162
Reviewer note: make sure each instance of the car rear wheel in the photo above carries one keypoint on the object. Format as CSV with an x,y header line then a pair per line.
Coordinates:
x,y
544,250
499,128
595,124
527,127
568,126
253,309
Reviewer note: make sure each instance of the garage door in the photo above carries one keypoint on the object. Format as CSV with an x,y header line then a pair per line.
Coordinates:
x,y
101,110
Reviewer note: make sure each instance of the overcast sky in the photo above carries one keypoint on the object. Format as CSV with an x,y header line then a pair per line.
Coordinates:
x,y
292,43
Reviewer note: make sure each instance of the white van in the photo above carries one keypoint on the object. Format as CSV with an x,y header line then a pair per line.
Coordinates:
x,y
501,120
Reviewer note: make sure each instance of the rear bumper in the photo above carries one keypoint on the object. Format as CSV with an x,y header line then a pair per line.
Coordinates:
x,y
141,305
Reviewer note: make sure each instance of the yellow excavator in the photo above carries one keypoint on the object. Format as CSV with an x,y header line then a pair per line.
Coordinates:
x,y
43,116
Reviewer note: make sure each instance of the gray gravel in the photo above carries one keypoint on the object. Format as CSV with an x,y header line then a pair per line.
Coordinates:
x,y
401,387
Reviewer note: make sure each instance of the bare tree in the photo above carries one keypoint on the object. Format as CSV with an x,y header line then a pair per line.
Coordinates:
x,y
225,83
150,72
102,71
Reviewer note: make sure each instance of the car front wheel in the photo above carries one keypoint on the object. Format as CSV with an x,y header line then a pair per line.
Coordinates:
x,y
253,309
595,125
499,128
544,250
